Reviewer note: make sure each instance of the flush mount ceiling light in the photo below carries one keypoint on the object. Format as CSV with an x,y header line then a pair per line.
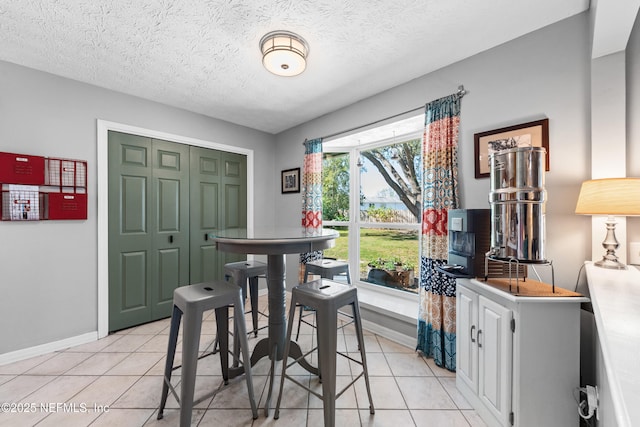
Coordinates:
x,y
284,53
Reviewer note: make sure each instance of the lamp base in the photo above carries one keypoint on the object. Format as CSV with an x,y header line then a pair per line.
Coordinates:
x,y
613,264
610,243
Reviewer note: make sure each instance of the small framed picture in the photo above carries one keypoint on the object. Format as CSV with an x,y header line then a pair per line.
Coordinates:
x,y
290,180
531,134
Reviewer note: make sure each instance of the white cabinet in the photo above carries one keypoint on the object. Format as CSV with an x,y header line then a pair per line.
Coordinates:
x,y
484,349
494,353
466,332
518,358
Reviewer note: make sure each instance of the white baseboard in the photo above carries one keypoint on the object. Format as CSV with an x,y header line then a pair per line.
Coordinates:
x,y
39,350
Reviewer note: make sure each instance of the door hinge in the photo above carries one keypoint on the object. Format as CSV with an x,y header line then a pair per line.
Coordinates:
x,y
511,418
513,325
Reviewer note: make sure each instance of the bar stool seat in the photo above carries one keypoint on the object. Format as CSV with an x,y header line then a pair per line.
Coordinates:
x,y
242,271
326,297
191,302
326,268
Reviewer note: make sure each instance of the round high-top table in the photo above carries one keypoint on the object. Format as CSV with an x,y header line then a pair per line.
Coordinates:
x,y
275,242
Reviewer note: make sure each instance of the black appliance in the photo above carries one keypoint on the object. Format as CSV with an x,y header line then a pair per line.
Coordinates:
x,y
469,241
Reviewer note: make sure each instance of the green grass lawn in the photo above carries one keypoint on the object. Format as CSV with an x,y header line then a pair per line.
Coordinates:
x,y
378,243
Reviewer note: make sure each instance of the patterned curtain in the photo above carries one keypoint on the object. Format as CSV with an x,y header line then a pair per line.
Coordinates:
x,y
437,311
311,189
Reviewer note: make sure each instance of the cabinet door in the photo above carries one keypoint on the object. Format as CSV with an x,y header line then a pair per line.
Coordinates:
x,y
466,331
495,358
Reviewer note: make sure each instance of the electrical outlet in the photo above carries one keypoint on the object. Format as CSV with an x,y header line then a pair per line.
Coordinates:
x,y
634,253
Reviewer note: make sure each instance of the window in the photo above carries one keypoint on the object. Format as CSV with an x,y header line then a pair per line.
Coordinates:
x,y
371,195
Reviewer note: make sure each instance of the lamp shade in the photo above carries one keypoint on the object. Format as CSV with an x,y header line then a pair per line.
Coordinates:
x,y
610,196
284,53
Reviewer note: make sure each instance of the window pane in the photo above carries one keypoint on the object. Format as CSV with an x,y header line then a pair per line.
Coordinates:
x,y
341,250
400,201
391,197
389,257
387,223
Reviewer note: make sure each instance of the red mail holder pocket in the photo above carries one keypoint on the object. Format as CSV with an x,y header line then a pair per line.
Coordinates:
x,y
40,188
21,169
67,206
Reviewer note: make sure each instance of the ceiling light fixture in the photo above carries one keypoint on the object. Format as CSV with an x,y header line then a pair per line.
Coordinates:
x,y
284,53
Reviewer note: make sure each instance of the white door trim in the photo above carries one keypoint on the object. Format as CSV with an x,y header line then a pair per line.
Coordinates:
x,y
103,128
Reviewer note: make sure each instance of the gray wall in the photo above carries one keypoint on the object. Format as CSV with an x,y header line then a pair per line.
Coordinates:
x,y
633,124
543,74
48,281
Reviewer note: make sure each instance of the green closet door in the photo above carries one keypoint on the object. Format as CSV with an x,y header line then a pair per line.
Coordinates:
x,y
171,237
164,200
218,201
205,218
130,238
148,227
233,197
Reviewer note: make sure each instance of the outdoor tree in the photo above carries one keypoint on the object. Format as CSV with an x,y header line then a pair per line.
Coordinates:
x,y
404,177
335,188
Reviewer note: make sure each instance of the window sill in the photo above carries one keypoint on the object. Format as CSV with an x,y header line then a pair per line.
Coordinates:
x,y
398,305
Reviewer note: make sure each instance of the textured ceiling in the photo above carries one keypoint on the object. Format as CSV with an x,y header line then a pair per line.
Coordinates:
x,y
203,55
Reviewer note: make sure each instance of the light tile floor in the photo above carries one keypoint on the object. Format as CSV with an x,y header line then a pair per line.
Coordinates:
x,y
116,381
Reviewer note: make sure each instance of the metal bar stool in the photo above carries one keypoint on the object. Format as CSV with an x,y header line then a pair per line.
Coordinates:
x,y
242,271
326,268
326,297
191,302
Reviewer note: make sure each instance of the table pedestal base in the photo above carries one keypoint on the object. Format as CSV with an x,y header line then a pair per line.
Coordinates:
x,y
262,350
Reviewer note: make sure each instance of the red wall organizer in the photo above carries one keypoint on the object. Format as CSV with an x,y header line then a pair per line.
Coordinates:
x,y
42,188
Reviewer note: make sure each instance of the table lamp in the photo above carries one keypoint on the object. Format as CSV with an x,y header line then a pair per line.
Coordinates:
x,y
611,197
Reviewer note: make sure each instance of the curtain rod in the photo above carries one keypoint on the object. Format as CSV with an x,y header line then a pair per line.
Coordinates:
x,y
460,93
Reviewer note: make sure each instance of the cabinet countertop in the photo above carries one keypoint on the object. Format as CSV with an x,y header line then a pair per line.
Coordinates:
x,y
615,296
496,286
